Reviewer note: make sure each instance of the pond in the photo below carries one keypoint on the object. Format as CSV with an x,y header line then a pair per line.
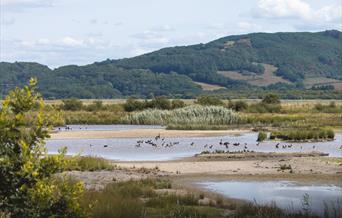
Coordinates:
x,y
159,149
287,195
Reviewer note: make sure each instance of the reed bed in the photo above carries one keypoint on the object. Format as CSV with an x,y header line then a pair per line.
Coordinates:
x,y
187,117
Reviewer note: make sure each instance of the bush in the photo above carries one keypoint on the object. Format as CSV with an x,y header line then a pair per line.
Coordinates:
x,y
238,105
271,99
27,185
133,105
209,100
177,104
160,102
262,136
95,106
88,164
72,104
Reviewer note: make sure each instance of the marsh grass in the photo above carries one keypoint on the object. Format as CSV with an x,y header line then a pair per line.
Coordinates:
x,y
87,163
190,117
303,134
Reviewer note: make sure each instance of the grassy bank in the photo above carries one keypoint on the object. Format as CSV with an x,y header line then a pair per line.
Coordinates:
x,y
141,199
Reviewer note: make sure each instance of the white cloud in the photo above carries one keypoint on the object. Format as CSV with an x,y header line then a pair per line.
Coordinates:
x,y
7,22
21,5
297,9
69,41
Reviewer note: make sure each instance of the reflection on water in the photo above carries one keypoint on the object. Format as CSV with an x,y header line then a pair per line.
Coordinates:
x,y
128,149
286,195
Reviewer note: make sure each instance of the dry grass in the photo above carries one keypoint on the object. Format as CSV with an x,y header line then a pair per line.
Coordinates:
x,y
265,79
309,82
209,87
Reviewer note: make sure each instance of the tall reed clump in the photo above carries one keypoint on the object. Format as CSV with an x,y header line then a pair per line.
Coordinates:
x,y
194,115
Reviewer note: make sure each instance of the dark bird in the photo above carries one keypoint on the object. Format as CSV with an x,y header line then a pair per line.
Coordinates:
x,y
105,146
192,143
258,144
313,147
211,146
236,144
221,142
277,145
157,137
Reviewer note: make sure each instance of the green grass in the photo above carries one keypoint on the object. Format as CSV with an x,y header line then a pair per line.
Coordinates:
x,y
303,134
262,136
80,163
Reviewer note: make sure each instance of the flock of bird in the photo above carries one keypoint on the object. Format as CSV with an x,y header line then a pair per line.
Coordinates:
x,y
161,142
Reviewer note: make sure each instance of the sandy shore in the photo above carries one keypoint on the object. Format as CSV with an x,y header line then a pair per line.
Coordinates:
x,y
308,168
258,166
140,133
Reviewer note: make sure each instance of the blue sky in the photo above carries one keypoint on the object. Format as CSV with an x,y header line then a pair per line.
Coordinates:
x,y
61,32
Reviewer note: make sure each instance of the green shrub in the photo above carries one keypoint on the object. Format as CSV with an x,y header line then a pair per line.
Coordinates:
x,y
88,164
262,136
238,105
72,104
271,99
28,187
209,100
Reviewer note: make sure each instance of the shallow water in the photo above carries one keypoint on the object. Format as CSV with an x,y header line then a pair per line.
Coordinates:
x,y
285,194
104,127
125,149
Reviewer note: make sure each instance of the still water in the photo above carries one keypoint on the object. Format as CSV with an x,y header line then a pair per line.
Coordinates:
x,y
285,194
129,149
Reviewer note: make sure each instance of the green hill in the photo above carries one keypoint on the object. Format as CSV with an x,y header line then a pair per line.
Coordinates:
x,y
255,63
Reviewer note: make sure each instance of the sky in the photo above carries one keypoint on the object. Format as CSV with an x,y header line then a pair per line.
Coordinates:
x,y
63,32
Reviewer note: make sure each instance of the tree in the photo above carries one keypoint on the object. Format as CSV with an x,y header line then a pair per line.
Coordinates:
x,y
27,188
208,100
271,99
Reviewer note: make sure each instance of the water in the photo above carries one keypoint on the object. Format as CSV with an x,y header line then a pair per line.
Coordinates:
x,y
104,127
287,195
125,149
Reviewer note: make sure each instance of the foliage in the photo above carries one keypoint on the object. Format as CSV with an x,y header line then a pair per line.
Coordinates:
x,y
303,134
139,199
238,105
271,99
27,188
262,136
159,102
72,104
88,164
209,100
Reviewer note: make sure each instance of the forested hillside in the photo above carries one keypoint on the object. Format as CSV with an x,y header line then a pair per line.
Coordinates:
x,y
298,62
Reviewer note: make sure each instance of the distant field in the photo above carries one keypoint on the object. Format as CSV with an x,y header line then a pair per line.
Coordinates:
x,y
297,103
267,78
209,87
309,82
